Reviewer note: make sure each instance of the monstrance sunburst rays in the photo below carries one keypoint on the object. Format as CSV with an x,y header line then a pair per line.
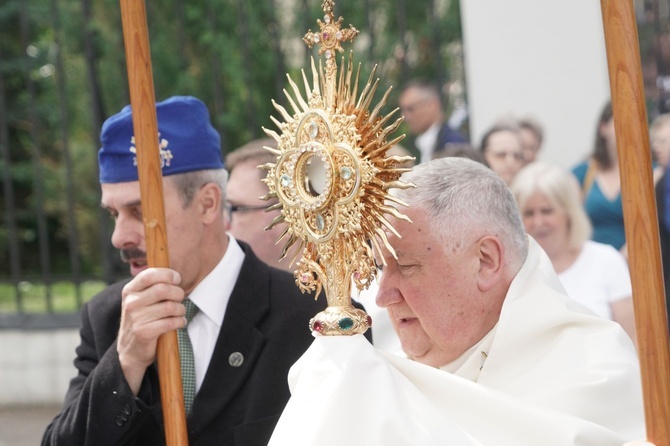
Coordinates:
x,y
332,177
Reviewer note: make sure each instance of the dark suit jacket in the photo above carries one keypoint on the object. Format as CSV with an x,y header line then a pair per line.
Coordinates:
x,y
266,321
446,135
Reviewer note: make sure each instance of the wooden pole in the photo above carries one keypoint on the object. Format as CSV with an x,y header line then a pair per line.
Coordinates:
x,y
143,103
640,217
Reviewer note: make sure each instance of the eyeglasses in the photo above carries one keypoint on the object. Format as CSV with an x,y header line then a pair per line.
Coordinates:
x,y
241,208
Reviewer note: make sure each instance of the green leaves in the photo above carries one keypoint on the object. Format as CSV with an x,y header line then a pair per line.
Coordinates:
x,y
233,54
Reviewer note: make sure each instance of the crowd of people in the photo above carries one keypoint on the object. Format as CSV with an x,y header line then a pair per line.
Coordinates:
x,y
575,214
510,291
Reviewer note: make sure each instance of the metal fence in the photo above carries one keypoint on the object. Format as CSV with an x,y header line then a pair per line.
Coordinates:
x,y
62,72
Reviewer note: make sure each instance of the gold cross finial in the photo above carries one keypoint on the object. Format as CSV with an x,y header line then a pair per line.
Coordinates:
x,y
331,35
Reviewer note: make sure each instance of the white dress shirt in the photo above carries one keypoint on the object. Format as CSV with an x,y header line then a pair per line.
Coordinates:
x,y
425,142
211,296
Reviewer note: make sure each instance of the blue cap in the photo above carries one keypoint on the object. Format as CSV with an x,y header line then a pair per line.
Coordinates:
x,y
187,141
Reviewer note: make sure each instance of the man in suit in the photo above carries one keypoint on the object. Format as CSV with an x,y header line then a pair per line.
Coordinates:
x,y
251,322
421,106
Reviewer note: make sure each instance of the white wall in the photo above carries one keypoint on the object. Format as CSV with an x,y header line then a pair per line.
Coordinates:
x,y
36,365
537,57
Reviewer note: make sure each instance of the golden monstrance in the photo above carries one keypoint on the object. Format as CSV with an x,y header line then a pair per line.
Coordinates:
x,y
332,177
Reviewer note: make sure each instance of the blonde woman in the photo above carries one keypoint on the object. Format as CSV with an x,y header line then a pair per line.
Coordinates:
x,y
594,274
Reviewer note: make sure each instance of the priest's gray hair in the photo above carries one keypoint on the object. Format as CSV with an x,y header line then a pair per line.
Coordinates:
x,y
466,199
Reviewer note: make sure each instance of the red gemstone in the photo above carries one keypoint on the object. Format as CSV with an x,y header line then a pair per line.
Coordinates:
x,y
318,326
326,36
368,320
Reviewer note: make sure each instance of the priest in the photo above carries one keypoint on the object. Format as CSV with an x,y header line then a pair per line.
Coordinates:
x,y
495,353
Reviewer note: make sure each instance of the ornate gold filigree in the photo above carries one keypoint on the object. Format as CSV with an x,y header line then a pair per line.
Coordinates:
x,y
332,35
332,177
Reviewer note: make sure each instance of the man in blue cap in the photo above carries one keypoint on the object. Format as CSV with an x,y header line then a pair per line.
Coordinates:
x,y
250,323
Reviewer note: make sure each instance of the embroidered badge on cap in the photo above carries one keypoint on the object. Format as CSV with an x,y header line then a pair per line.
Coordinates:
x,y
166,155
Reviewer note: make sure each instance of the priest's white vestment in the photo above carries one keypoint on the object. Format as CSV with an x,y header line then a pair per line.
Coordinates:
x,y
549,373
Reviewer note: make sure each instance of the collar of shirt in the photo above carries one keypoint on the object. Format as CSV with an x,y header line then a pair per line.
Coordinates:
x,y
211,296
425,142
219,282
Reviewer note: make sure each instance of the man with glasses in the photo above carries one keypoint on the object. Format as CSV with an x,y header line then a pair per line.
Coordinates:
x,y
421,106
245,189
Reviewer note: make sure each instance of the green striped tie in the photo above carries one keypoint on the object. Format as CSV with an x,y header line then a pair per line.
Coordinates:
x,y
186,357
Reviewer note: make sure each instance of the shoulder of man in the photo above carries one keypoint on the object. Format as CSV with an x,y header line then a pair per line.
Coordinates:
x,y
285,292
448,135
108,301
287,301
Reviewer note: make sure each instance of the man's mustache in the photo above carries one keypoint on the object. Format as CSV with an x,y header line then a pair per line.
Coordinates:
x,y
128,255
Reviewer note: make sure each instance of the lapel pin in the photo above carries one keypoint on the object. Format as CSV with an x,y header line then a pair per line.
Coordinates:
x,y
235,359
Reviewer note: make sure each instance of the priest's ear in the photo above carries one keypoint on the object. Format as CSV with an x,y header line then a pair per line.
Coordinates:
x,y
490,254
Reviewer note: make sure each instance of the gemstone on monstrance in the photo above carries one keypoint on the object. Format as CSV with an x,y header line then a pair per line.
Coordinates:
x,y
320,223
346,323
313,129
285,180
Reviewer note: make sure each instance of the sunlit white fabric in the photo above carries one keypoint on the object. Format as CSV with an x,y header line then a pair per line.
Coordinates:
x,y
553,374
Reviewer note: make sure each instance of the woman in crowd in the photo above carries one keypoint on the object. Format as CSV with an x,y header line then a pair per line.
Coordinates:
x,y
594,274
600,184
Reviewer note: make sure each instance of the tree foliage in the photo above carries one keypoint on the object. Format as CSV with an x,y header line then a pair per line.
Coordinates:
x,y
62,71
